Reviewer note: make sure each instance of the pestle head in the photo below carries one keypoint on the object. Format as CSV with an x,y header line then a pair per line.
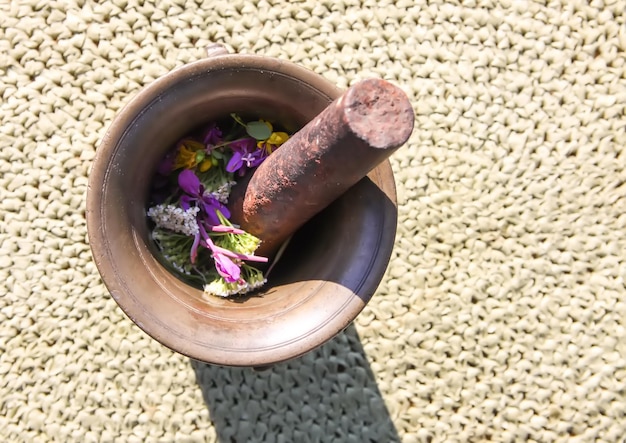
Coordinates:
x,y
378,113
339,147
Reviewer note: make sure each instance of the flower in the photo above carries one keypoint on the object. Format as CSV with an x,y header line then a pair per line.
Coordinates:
x,y
250,279
226,268
238,255
190,154
245,155
223,192
212,136
226,262
194,195
166,166
220,288
175,219
191,226
273,141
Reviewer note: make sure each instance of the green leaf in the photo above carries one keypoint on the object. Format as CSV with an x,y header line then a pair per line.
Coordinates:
x,y
258,130
237,119
199,156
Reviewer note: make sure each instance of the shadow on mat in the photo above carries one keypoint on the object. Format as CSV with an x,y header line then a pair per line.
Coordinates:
x,y
329,394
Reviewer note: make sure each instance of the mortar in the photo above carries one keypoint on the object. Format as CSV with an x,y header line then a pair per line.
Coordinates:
x,y
328,272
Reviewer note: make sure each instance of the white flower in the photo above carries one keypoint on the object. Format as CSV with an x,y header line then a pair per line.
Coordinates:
x,y
220,288
175,219
255,285
223,192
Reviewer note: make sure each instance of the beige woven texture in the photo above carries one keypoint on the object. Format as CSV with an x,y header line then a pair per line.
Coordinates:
x,y
502,316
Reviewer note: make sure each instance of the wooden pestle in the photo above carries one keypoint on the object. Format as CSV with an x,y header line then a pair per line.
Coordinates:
x,y
321,161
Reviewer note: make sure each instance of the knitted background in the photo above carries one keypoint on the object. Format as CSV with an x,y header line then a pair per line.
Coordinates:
x,y
502,316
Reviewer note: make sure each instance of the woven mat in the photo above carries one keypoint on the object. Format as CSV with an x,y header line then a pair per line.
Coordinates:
x,y
502,316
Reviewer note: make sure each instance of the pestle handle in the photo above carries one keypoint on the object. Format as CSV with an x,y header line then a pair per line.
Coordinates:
x,y
322,161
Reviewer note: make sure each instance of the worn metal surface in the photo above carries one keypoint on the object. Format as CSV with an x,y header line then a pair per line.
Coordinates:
x,y
323,160
309,297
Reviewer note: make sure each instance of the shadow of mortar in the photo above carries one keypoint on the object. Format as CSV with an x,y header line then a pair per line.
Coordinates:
x,y
329,394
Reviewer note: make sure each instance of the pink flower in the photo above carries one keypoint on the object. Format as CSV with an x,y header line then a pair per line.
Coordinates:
x,y
226,268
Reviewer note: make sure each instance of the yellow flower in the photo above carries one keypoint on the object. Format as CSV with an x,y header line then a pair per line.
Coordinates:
x,y
273,141
205,164
278,138
267,123
187,157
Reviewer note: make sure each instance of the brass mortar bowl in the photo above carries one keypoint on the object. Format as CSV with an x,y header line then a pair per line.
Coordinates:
x,y
330,269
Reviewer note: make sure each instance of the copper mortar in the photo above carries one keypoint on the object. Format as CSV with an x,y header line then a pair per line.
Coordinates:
x,y
328,272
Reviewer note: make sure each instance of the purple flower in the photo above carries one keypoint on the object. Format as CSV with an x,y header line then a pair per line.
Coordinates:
x,y
245,155
166,166
194,195
213,135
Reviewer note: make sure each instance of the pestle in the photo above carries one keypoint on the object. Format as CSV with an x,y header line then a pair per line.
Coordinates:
x,y
322,161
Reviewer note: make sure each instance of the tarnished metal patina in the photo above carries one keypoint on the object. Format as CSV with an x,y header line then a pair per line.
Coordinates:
x,y
329,271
